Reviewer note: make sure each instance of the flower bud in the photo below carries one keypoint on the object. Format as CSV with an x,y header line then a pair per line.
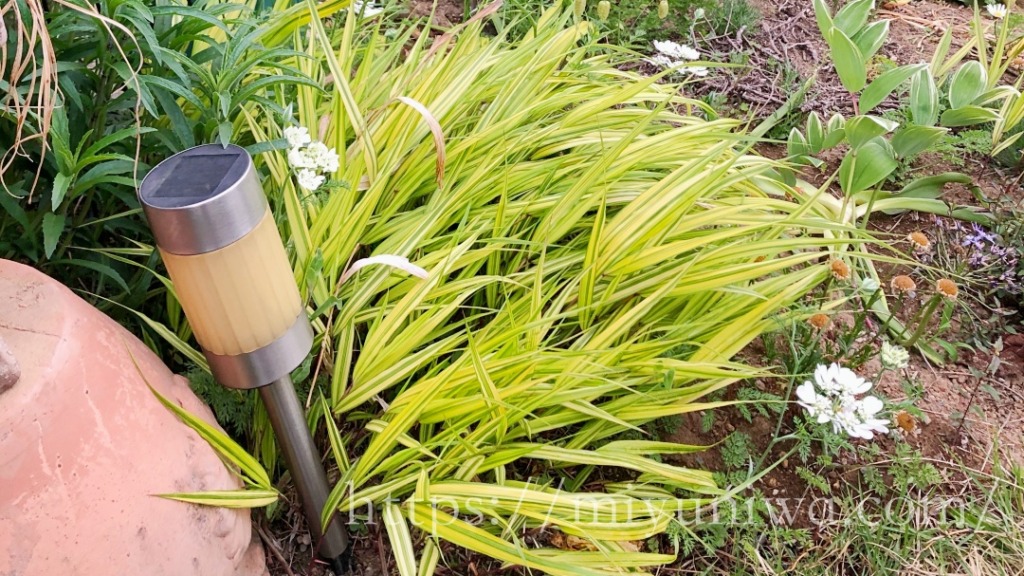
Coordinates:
x,y
578,8
894,357
604,7
663,9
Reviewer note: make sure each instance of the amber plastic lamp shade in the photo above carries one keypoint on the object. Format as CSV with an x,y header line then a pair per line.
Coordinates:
x,y
223,252
239,298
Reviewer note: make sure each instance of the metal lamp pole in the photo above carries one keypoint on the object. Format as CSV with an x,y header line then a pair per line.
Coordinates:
x,y
218,239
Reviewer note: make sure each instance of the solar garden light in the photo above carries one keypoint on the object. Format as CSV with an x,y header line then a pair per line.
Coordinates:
x,y
220,245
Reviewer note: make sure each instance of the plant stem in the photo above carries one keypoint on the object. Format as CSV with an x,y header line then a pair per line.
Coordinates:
x,y
871,204
922,319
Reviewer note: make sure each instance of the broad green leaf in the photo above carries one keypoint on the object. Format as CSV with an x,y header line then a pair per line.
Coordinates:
x,y
836,131
852,17
967,84
924,99
884,84
815,133
912,139
848,61
862,129
796,145
866,167
871,38
53,227
932,186
823,18
968,116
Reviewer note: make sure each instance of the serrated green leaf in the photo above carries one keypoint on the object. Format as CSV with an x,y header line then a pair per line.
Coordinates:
x,y
224,133
53,227
60,187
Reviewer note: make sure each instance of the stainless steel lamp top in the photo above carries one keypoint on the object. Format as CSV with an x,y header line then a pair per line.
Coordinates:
x,y
202,199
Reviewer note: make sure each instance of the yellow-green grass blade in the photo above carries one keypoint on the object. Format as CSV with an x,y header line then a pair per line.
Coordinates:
x,y
249,498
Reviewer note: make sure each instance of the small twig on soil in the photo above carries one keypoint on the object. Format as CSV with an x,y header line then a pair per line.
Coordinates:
x,y
380,553
970,404
271,544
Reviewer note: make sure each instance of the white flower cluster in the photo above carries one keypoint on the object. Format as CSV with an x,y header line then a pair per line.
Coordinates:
x,y
832,397
670,55
312,161
997,11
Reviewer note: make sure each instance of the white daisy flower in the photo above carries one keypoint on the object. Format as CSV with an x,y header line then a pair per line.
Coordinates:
x,y
818,406
661,61
832,398
867,410
997,11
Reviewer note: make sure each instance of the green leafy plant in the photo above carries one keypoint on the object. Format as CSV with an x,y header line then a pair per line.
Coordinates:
x,y
131,83
873,155
595,258
731,16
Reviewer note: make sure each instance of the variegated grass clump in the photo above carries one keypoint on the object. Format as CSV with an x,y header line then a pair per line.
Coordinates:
x,y
597,256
